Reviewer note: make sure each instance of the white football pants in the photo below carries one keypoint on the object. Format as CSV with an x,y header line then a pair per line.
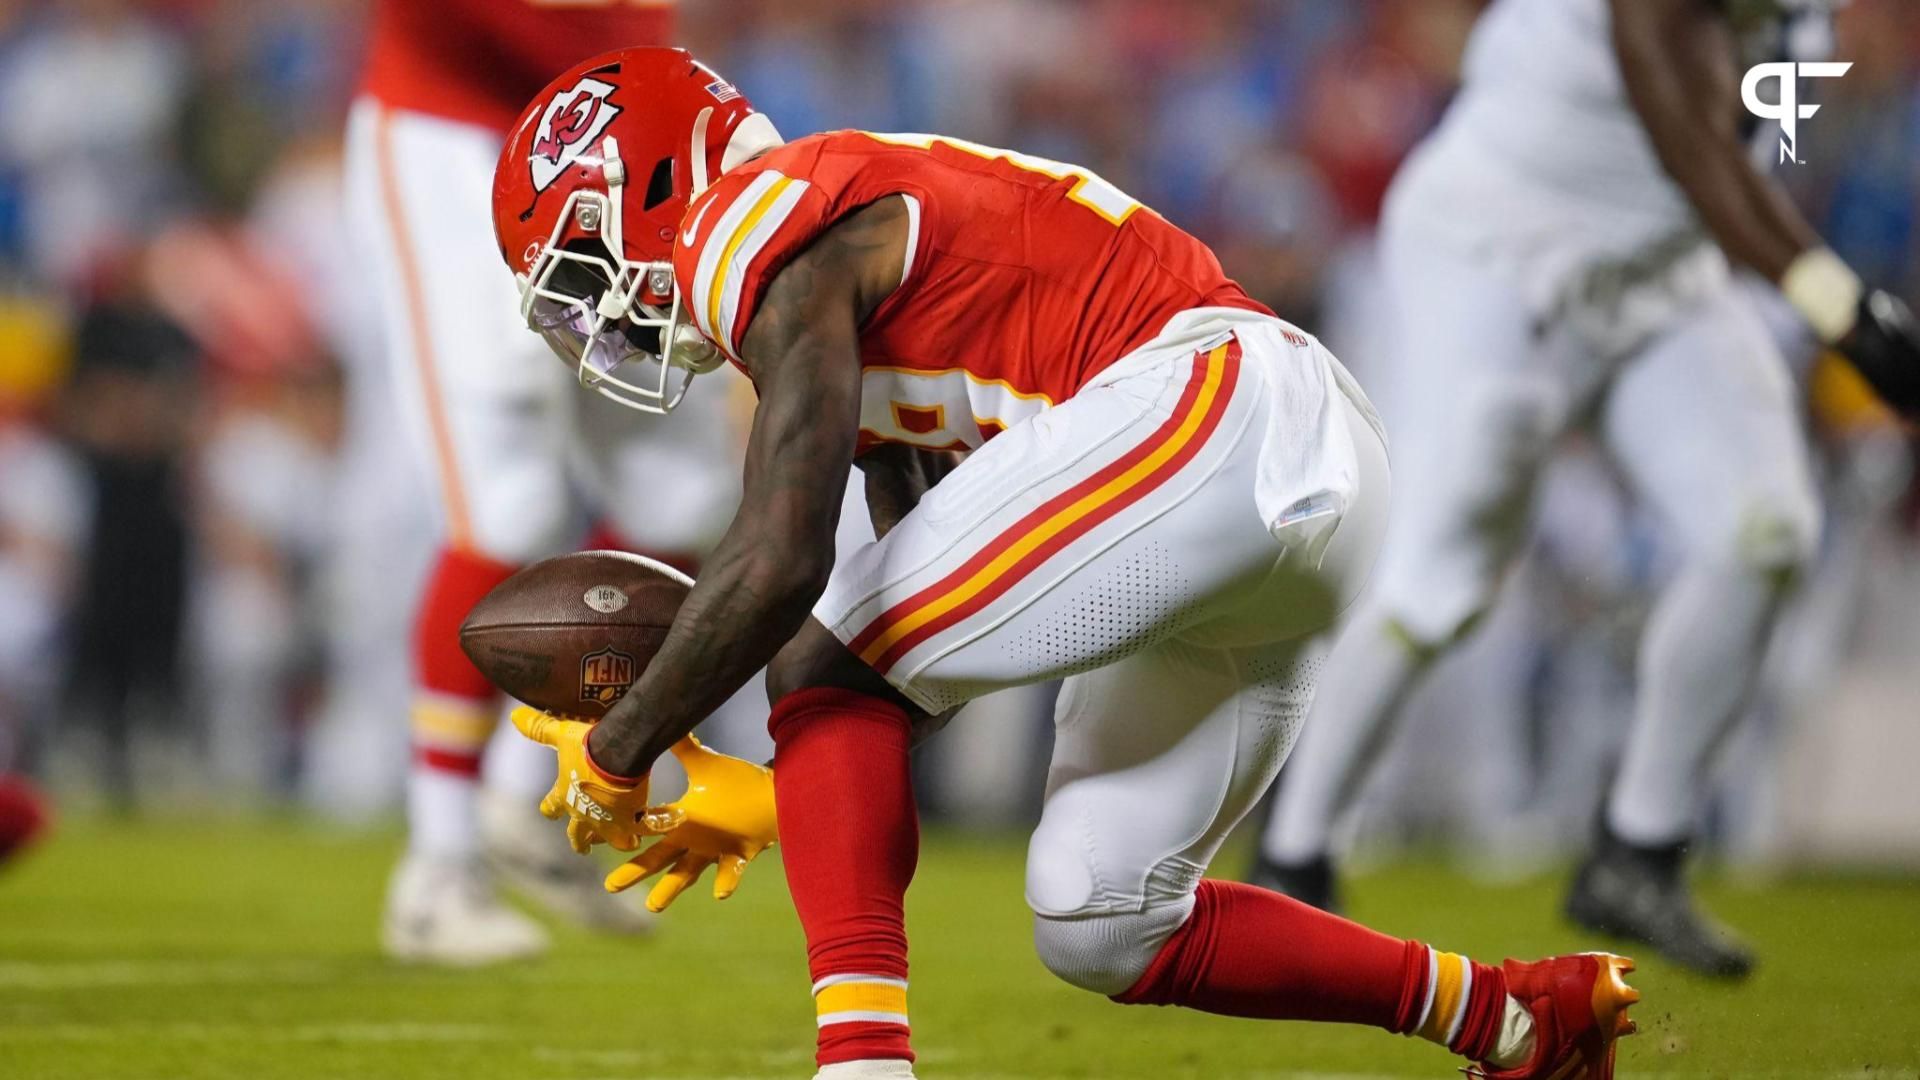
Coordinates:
x,y
1702,422
1173,541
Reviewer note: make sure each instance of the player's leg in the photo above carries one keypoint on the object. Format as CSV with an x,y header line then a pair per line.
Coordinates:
x,y
1166,733
1155,760
483,410
1473,410
1705,425
1066,543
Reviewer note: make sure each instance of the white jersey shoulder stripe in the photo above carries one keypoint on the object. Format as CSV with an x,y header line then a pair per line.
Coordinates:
x,y
769,213
718,233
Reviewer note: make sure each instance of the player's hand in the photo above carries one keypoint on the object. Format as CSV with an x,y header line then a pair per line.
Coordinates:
x,y
1884,345
599,807
726,817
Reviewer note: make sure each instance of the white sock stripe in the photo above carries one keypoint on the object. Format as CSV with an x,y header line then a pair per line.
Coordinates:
x,y
866,1069
1433,980
854,1016
878,980
1466,994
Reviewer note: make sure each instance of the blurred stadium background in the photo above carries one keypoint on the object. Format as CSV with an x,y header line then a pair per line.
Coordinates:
x,y
206,516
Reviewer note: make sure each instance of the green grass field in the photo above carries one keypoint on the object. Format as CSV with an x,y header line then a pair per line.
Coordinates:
x,y
168,951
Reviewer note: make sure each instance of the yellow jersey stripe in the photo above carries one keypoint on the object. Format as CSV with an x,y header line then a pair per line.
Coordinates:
x,y
724,334
1041,533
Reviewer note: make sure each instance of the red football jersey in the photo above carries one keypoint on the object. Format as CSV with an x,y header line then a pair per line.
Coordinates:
x,y
1024,277
481,61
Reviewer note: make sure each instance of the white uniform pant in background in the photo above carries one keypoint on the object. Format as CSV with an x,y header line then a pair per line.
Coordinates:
x,y
1701,419
511,444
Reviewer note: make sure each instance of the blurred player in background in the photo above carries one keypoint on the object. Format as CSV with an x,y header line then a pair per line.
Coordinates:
x,y
44,517
1167,495
508,448
1560,251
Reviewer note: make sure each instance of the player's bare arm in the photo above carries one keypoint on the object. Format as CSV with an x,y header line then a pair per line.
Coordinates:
x,y
1680,62
1680,65
897,476
772,564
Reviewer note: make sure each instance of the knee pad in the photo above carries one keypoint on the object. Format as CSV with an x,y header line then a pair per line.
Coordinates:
x,y
1106,953
1428,640
1430,593
1778,537
1425,631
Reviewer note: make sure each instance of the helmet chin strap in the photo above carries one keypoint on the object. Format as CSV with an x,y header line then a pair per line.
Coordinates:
x,y
614,301
754,136
699,155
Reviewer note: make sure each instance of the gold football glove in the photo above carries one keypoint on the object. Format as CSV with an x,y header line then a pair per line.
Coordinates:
x,y
597,807
726,817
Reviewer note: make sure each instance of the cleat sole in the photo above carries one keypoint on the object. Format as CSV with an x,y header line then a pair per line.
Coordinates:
x,y
1612,997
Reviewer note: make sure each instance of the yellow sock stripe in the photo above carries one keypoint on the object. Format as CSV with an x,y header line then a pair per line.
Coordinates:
x,y
876,1001
1449,998
1046,530
452,726
724,334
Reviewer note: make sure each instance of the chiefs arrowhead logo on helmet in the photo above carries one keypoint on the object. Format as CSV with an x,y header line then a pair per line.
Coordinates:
x,y
570,123
598,188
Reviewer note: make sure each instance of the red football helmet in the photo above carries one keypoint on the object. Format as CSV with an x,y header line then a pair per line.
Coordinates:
x,y
594,258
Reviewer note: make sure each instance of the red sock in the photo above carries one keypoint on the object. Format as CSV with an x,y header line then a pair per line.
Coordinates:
x,y
454,715
23,814
849,837
1250,952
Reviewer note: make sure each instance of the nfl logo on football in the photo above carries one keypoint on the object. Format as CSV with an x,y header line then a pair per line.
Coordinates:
x,y
605,676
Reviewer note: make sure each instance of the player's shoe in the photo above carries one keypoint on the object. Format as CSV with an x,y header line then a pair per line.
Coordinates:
x,y
528,856
1641,894
446,911
1579,1007
1311,882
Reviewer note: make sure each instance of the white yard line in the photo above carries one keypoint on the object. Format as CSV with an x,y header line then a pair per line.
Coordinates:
x,y
87,975
369,1032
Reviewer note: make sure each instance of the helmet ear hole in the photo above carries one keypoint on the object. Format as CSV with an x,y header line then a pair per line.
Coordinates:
x,y
660,185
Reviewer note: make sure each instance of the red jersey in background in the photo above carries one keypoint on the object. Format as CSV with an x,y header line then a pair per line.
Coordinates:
x,y
481,61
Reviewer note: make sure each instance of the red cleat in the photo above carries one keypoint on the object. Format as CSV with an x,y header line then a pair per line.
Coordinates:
x,y
1579,1005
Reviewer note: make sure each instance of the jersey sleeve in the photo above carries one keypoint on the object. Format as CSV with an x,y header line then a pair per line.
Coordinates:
x,y
737,236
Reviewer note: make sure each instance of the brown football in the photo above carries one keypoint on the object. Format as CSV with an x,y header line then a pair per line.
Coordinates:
x,y
569,634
